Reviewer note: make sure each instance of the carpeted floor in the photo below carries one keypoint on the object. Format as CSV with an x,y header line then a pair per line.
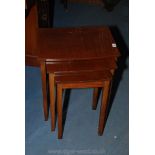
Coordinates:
x,y
80,132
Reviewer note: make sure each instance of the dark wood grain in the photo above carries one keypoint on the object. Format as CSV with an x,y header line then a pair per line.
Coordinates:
x,y
76,44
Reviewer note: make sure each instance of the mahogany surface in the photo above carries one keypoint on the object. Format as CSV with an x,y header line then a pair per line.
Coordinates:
x,y
82,43
81,65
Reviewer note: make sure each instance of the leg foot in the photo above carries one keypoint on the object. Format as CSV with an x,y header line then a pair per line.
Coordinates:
x,y
59,109
104,103
44,90
95,98
52,101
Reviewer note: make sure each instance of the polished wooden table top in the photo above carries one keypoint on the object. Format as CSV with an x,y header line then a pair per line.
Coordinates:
x,y
67,44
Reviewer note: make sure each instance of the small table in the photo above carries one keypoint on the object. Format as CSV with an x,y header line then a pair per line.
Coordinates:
x,y
70,45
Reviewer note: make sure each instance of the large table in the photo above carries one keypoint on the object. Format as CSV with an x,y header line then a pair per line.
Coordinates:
x,y
71,47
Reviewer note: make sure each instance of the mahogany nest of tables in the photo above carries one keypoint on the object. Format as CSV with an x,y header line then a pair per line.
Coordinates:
x,y
76,51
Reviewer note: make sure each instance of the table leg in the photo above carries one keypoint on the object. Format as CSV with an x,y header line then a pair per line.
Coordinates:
x,y
52,100
103,108
95,98
44,90
59,109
